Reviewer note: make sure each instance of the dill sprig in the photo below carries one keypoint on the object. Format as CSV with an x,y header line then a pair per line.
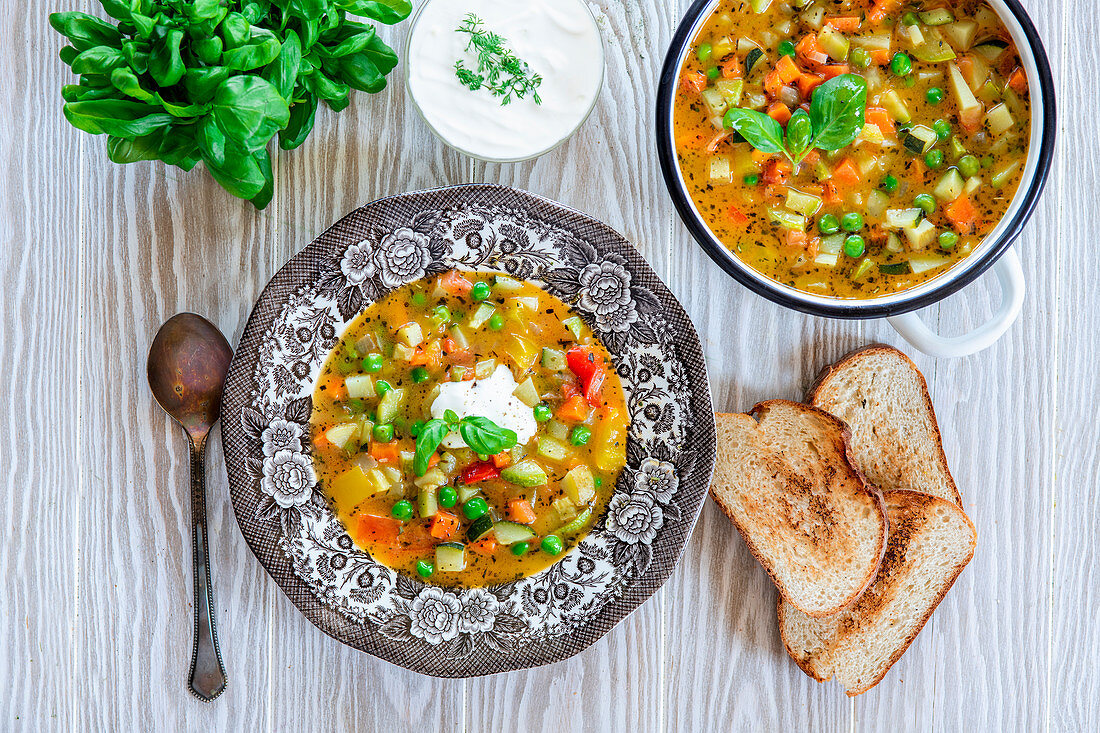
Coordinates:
x,y
498,69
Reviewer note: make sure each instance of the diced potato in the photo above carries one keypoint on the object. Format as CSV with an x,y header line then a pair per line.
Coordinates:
x,y
731,90
564,509
715,103
360,386
339,435
526,393
924,263
802,203
950,186
826,260
579,485
720,169
554,449
893,104
1000,119
834,43
960,34
970,109
401,352
411,334
921,235
484,368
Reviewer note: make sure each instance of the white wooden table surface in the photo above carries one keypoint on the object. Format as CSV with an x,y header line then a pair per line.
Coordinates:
x,y
95,606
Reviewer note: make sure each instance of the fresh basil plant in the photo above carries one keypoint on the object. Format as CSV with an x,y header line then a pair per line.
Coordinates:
x,y
838,111
184,81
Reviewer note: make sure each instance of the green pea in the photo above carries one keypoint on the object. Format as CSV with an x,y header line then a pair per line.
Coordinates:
x,y
580,435
480,290
475,508
520,548
901,64
934,95
969,166
910,18
383,433
597,481
860,58
704,52
987,161
382,387
420,375
542,412
752,179
942,128
372,363
828,224
948,240
712,72
551,544
926,203
799,131
786,48
852,222
933,159
424,568
448,497
890,184
496,322
419,299
402,510
854,246
416,427
441,313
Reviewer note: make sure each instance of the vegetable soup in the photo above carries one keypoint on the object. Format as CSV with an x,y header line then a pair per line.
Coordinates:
x,y
468,428
852,148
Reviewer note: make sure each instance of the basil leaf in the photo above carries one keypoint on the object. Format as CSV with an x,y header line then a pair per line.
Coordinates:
x,y
382,56
137,56
238,171
838,111
182,110
165,63
236,30
201,83
68,54
359,72
205,9
384,11
263,198
209,50
117,9
249,110
351,44
127,82
84,31
98,60
283,71
758,129
427,441
116,117
485,436
252,55
302,116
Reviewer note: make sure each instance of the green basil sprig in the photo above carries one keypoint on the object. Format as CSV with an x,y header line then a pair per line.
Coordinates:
x,y
185,81
838,111
481,434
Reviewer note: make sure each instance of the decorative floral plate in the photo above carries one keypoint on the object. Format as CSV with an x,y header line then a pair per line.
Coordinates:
x,y
532,621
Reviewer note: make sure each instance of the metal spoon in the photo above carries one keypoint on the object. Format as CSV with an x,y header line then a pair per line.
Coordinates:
x,y
188,361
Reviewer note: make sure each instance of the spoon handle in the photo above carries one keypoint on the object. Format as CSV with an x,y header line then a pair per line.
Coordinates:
x,y
208,678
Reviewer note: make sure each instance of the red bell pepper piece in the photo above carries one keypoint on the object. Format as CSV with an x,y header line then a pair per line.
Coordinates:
x,y
480,471
589,367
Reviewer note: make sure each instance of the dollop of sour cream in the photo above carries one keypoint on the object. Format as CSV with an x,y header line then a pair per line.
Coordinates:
x,y
558,39
490,397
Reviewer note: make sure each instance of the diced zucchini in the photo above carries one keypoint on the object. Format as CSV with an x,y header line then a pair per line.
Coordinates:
x,y
1012,99
989,92
877,201
802,203
720,169
921,235
450,557
482,314
991,49
958,150
390,405
460,338
1000,119
826,260
834,43
926,262
553,449
485,368
432,478
787,220
893,104
895,268
411,334
553,359
575,326
526,393
832,244
524,354
939,16
1001,176
579,485
715,103
339,435
893,243
876,42
509,533
482,526
752,60
467,492
972,184
950,186
722,47
379,480
731,90
902,218
960,33
427,502
814,17
577,523
863,268
360,386
759,6
934,51
920,139
557,429
564,508
526,473
393,474
507,284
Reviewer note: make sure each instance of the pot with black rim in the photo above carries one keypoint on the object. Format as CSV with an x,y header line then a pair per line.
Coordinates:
x,y
995,251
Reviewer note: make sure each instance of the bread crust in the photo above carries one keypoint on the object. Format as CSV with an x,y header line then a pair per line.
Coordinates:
x,y
868,488
881,348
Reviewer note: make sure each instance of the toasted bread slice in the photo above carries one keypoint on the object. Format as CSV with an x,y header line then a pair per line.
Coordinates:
x,y
931,541
883,398
785,480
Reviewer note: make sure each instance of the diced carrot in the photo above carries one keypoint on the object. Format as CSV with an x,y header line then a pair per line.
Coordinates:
x,y
444,525
787,69
692,141
738,217
832,71
812,247
569,389
966,67
812,157
1018,81
416,537
502,460
431,354
807,83
807,45
519,510
971,119
780,112
962,215
845,24
773,192
772,83
717,140
830,193
485,546
759,157
575,409
778,172
385,452
880,57
881,119
695,81
731,67
373,528
882,9
847,172
455,283
797,239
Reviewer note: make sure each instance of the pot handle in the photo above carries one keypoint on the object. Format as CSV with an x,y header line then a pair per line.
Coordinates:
x,y
1010,275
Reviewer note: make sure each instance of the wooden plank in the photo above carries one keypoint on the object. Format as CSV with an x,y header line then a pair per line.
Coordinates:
x,y
377,147
608,170
40,259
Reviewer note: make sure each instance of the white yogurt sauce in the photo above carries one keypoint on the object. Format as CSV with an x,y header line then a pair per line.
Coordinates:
x,y
490,397
558,39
